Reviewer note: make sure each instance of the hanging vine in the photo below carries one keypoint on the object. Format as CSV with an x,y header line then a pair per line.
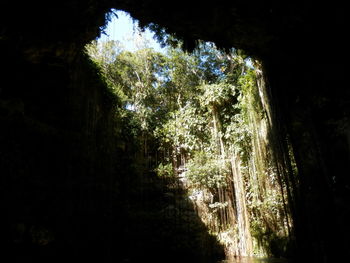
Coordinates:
x,y
208,114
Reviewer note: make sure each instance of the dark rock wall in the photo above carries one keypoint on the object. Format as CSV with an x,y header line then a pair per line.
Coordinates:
x,y
56,156
56,125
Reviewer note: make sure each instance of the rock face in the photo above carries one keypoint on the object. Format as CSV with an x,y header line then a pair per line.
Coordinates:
x,y
56,129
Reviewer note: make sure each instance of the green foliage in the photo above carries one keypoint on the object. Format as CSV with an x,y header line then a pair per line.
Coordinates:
x,y
272,243
238,135
203,109
250,99
182,72
205,171
165,170
184,128
216,94
211,63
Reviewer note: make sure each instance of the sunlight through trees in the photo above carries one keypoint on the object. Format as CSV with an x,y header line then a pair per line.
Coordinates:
x,y
205,112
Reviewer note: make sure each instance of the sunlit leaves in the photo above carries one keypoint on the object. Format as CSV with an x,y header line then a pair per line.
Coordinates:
x,y
204,170
216,94
203,110
185,128
165,170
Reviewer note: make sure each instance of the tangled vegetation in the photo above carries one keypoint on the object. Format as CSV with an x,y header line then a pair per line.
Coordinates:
x,y
205,113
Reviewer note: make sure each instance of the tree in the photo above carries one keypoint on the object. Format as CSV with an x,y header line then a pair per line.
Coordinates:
x,y
200,115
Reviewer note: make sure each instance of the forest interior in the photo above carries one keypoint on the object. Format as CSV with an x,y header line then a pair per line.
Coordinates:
x,y
201,123
228,141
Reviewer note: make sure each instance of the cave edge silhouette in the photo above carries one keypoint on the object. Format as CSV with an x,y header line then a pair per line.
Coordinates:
x,y
314,107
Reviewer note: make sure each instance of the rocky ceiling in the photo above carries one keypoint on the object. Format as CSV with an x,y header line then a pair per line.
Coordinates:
x,y
259,27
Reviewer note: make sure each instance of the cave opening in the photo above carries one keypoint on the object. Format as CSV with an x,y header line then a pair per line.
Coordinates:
x,y
201,129
69,181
